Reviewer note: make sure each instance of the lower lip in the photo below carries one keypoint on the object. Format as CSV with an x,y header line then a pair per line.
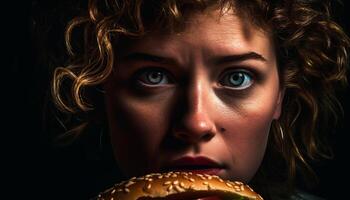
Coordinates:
x,y
210,171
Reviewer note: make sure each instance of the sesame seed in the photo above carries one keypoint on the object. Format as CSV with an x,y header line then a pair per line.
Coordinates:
x,y
169,188
160,176
237,188
250,188
233,183
242,187
126,190
182,184
228,184
178,188
129,183
176,182
113,191
192,180
238,183
167,183
174,175
208,176
123,182
147,187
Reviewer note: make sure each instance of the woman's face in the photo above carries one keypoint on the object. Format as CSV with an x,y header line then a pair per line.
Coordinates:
x,y
200,100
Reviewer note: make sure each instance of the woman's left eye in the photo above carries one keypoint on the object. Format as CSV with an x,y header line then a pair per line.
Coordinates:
x,y
237,80
153,77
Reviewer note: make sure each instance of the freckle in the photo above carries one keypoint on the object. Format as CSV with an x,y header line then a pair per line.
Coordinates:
x,y
222,129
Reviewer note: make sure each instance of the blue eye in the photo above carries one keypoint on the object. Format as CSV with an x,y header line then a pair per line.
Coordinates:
x,y
154,77
237,80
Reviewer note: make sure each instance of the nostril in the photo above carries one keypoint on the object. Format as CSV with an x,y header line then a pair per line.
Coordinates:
x,y
188,137
181,135
207,136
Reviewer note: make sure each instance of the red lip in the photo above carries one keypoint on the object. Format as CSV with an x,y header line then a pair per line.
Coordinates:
x,y
198,164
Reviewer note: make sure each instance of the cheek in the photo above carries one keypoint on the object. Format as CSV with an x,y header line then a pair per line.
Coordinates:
x,y
247,134
247,144
136,126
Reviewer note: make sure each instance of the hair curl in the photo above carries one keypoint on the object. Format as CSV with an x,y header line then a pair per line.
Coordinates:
x,y
311,51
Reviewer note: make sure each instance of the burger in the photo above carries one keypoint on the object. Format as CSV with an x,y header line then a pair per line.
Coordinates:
x,y
179,186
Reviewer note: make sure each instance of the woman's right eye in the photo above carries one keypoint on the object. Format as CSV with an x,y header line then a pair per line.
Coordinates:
x,y
153,77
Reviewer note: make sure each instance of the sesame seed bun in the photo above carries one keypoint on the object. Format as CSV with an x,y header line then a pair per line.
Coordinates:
x,y
178,185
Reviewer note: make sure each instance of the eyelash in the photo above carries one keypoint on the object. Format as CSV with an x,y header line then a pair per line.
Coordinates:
x,y
144,77
163,77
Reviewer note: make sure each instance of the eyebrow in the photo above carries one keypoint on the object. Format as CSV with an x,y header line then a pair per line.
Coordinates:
x,y
238,58
138,56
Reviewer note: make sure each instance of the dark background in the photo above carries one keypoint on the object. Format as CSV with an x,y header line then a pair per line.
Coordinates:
x,y
33,167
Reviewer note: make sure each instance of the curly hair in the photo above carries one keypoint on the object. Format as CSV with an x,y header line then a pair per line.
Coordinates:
x,y
311,50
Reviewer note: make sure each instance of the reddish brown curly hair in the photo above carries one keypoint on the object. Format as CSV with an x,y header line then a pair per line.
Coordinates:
x,y
312,58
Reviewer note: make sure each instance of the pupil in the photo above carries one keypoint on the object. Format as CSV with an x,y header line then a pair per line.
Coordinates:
x,y
155,77
237,79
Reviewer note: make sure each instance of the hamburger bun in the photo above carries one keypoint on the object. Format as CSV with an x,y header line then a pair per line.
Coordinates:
x,y
178,186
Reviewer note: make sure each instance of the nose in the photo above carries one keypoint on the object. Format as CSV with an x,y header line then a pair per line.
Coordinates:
x,y
196,123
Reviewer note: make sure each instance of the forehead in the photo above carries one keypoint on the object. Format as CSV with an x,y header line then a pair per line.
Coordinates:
x,y
221,24
214,30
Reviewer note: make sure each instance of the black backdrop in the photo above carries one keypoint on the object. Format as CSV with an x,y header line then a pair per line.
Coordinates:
x,y
33,31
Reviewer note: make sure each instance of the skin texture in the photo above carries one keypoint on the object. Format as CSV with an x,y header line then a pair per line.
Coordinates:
x,y
194,110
